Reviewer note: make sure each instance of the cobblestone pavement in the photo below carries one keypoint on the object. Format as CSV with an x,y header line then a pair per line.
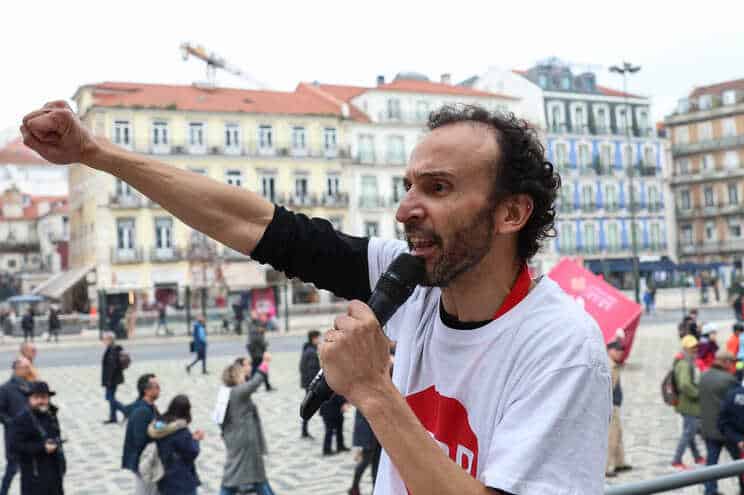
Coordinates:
x,y
296,466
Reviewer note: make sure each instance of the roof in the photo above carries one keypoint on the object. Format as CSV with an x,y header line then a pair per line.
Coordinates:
x,y
195,98
17,153
604,90
737,84
346,93
57,204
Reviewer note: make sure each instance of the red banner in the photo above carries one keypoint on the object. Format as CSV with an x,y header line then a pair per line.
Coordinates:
x,y
607,305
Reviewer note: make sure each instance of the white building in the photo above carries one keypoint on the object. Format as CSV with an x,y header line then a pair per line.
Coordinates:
x,y
31,174
380,149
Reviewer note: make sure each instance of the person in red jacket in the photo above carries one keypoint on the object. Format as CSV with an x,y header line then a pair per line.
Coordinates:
x,y
732,344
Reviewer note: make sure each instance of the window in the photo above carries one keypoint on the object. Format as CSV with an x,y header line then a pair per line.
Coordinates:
x,y
234,177
555,115
708,196
298,138
122,133
198,170
333,185
301,188
729,97
601,119
627,156
164,233
705,131
566,194
366,148
684,199
611,196
653,197
613,236
683,106
565,83
705,102
655,235
159,135
729,127
584,156
399,189
734,229
393,108
567,237
686,233
587,196
682,135
329,139
642,121
683,166
196,135
123,189
731,159
396,153
621,116
265,137
710,231
370,197
561,154
125,234
267,184
542,81
733,194
649,157
371,229
708,163
590,236
579,119
232,137
605,155
422,110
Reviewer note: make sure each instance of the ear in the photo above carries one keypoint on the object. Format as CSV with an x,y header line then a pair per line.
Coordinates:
x,y
513,213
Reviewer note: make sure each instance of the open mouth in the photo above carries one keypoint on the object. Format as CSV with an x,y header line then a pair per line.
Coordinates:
x,y
421,246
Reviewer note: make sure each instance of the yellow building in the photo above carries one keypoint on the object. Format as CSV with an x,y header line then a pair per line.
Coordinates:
x,y
286,146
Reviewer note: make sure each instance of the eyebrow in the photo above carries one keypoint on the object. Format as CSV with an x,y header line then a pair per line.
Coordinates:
x,y
431,174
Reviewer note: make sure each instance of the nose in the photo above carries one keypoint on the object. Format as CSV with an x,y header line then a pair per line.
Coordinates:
x,y
410,209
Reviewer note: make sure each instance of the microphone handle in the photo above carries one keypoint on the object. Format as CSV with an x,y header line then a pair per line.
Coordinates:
x,y
318,391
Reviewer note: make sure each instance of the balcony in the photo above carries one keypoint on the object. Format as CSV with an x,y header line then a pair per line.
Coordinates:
x,y
338,200
372,201
709,210
302,200
723,143
165,255
611,207
133,200
588,207
654,206
711,247
708,176
643,132
642,169
19,246
364,158
127,256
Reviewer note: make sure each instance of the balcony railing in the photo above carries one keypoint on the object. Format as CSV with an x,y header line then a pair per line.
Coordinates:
x,y
338,200
364,158
162,255
133,200
722,143
588,207
124,256
302,200
372,201
19,246
655,206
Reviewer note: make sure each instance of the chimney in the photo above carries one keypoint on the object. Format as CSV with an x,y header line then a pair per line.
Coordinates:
x,y
446,78
380,80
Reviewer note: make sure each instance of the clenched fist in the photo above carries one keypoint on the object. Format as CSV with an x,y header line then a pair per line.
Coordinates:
x,y
57,134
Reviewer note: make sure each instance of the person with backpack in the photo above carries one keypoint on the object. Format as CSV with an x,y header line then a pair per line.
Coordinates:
x,y
177,448
141,413
113,363
242,431
688,404
714,385
199,344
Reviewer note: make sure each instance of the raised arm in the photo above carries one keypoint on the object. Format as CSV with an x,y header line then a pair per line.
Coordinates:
x,y
233,216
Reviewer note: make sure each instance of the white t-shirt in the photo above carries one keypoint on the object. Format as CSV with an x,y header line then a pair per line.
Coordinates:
x,y
523,403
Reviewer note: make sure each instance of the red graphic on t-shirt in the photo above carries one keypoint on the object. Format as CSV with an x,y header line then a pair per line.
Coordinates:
x,y
446,420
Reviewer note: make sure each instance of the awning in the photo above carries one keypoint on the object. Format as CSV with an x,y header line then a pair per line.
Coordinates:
x,y
55,287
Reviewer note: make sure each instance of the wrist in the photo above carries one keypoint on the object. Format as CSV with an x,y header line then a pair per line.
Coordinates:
x,y
374,399
95,152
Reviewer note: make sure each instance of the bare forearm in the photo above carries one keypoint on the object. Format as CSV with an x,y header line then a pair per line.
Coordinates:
x,y
234,216
422,465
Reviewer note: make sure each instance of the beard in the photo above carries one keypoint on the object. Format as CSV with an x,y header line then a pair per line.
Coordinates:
x,y
466,247
42,409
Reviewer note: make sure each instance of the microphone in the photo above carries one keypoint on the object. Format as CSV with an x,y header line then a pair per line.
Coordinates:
x,y
393,288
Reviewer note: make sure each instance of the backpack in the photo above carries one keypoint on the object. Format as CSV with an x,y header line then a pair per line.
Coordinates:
x,y
669,392
124,359
150,467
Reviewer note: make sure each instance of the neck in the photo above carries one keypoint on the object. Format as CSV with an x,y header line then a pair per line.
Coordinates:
x,y
149,400
477,294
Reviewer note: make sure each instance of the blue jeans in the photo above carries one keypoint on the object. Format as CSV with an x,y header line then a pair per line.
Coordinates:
x,y
714,451
689,430
262,488
114,405
11,468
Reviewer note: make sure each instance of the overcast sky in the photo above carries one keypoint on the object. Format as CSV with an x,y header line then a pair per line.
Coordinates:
x,y
50,48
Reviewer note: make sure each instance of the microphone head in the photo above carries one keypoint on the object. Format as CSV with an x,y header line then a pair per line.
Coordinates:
x,y
401,278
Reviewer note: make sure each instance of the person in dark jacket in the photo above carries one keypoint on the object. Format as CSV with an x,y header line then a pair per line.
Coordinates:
x,y
309,367
178,448
27,324
141,413
257,346
112,375
714,384
13,400
54,324
332,412
37,439
365,439
199,338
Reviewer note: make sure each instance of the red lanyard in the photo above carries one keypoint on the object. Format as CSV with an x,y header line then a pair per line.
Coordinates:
x,y
518,292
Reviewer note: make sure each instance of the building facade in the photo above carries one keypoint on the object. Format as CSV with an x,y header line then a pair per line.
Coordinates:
x,y
285,146
707,177
24,169
610,160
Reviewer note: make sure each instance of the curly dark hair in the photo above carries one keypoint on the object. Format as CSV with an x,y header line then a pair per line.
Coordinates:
x,y
521,169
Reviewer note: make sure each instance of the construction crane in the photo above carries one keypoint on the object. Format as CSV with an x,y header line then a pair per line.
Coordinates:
x,y
215,62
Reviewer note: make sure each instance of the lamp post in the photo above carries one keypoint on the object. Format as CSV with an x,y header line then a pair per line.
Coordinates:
x,y
624,70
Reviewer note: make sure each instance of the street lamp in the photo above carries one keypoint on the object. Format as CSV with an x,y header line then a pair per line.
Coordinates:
x,y
624,70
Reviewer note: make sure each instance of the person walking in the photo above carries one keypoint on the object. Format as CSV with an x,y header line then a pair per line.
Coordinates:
x,y
714,385
732,344
737,307
13,400
689,404
332,412
27,324
369,451
162,320
616,452
37,438
178,448
112,375
257,346
242,432
199,344
141,413
309,367
54,324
